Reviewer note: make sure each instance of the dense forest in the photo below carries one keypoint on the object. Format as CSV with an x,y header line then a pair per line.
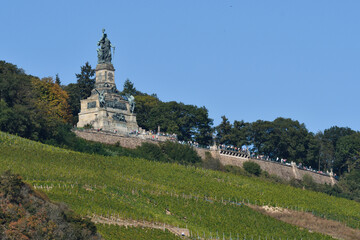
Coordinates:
x,y
44,110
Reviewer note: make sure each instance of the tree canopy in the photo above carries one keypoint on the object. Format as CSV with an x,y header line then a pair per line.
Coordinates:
x,y
30,107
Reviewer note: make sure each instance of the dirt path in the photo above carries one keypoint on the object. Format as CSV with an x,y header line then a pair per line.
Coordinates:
x,y
132,223
310,222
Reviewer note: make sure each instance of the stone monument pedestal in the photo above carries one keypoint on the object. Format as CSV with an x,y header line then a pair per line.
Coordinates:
x,y
106,109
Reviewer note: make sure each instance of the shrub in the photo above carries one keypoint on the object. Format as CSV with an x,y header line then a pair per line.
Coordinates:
x,y
179,153
167,152
252,167
151,151
88,126
308,181
212,163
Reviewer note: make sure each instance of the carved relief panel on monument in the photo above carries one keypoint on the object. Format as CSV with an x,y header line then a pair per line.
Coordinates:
x,y
116,104
91,104
105,76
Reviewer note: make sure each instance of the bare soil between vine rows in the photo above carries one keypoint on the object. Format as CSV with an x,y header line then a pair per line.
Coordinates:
x,y
145,224
309,221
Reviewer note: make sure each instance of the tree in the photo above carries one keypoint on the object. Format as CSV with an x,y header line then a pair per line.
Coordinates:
x,y
240,133
80,90
30,107
260,137
252,167
129,88
334,133
57,79
223,132
18,112
85,80
204,131
313,151
328,145
52,99
283,138
348,153
189,122
74,94
144,105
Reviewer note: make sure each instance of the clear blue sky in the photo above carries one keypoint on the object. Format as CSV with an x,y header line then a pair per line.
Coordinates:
x,y
247,60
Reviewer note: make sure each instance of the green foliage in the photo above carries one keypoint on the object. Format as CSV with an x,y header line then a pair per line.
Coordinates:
x,y
349,186
130,89
236,170
348,153
161,152
283,138
308,181
167,152
86,80
202,200
313,151
74,93
334,133
212,163
57,79
236,134
144,105
179,153
328,147
88,126
152,152
30,107
80,90
223,132
189,122
252,167
112,232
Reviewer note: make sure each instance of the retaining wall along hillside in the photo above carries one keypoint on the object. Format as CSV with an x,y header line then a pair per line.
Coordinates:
x,y
283,171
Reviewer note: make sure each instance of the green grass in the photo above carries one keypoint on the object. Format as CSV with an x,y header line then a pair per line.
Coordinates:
x,y
203,201
111,232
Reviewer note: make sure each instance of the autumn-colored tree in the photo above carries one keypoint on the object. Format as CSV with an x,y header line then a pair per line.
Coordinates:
x,y
52,99
51,102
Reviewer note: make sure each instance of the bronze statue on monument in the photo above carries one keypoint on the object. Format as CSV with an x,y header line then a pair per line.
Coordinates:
x,y
104,52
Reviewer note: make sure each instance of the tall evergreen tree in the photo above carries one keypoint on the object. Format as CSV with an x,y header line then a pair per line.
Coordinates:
x,y
86,80
131,90
57,79
223,132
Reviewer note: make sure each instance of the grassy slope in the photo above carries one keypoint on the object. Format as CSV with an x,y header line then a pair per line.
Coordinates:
x,y
135,188
111,232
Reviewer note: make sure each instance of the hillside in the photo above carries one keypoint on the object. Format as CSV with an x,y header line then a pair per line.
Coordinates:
x,y
28,214
206,202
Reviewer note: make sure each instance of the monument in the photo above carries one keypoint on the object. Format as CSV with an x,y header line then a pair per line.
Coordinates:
x,y
106,109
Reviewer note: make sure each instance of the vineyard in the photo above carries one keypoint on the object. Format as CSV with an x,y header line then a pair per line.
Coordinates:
x,y
210,204
111,232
